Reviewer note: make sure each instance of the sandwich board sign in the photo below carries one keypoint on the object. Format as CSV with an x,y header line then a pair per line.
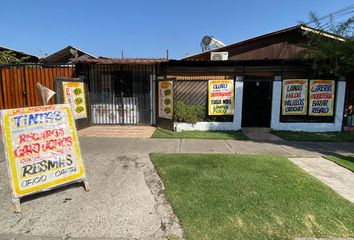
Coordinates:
x,y
41,149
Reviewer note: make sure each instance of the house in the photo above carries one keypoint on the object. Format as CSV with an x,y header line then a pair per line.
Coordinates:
x,y
29,58
282,44
65,56
260,84
272,88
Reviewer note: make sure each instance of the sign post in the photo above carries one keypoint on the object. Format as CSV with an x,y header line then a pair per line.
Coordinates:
x,y
42,150
221,97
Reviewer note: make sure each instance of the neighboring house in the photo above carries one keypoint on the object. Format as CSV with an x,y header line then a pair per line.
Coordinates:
x,y
30,58
66,55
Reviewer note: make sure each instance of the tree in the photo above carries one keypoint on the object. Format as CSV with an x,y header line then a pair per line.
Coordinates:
x,y
8,56
331,56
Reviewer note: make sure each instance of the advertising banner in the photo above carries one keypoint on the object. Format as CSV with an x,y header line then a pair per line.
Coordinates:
x,y
294,97
41,148
74,94
221,97
165,99
321,97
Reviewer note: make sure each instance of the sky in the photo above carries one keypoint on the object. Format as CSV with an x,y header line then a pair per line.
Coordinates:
x,y
146,28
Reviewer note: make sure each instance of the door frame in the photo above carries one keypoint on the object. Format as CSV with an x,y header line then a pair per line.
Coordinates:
x,y
248,80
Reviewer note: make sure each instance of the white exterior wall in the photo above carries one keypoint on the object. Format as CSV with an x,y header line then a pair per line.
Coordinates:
x,y
307,127
222,126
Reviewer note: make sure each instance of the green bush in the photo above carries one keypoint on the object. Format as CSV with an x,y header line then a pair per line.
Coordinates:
x,y
189,113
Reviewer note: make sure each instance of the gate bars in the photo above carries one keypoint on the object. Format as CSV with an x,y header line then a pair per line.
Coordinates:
x,y
119,93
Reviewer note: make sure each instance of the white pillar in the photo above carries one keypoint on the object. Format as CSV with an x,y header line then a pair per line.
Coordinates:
x,y
276,101
238,102
340,99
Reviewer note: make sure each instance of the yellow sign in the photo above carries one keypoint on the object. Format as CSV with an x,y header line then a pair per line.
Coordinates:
x,y
321,97
165,99
221,97
294,97
74,94
41,148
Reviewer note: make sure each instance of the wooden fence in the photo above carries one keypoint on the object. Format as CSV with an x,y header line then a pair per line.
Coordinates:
x,y
18,83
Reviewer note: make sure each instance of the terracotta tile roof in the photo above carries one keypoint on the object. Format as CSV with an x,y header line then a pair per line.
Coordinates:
x,y
122,60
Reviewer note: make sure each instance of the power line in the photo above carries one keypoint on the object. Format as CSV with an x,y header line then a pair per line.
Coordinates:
x,y
341,12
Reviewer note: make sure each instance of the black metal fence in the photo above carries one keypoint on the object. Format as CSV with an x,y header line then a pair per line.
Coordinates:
x,y
192,92
195,92
118,93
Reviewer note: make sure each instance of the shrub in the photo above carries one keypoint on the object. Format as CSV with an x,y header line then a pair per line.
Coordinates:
x,y
189,113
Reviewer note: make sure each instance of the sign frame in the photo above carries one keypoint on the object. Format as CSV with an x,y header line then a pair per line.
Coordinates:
x,y
66,84
11,159
305,111
82,122
232,97
161,99
333,93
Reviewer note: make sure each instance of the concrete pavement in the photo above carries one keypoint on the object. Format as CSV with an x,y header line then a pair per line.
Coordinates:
x,y
283,148
338,178
127,198
125,131
126,201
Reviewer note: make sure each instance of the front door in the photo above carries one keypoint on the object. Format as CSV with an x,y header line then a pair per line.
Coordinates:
x,y
257,102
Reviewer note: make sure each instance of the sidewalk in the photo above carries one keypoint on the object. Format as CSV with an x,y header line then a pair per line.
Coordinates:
x,y
307,155
127,197
338,178
283,148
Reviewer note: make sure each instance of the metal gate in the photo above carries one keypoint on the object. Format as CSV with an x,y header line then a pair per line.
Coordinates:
x,y
118,94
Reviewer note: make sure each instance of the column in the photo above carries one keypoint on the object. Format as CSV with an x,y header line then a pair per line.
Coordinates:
x,y
238,102
276,101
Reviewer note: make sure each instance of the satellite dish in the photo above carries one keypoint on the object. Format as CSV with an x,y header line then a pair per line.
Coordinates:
x,y
209,43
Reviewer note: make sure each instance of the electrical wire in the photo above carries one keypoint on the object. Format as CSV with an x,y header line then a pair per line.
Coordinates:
x,y
339,13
